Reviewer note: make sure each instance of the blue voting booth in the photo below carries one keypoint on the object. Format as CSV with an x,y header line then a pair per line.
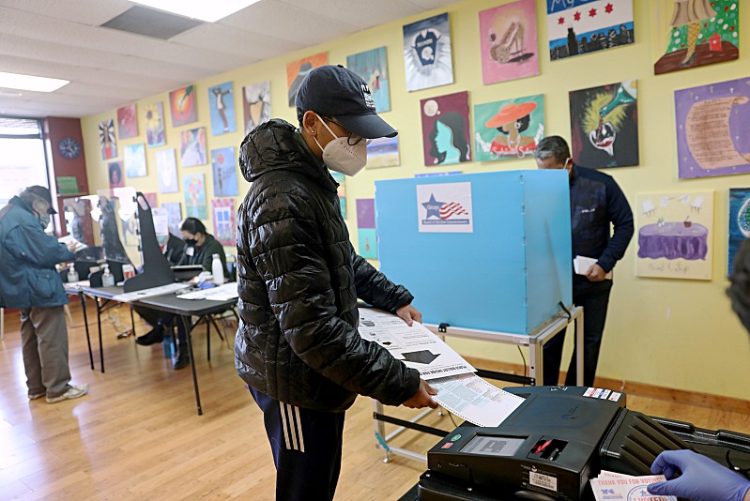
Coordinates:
x,y
488,251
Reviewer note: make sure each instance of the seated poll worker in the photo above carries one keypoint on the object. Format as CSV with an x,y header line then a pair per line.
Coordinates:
x,y
694,476
200,246
173,249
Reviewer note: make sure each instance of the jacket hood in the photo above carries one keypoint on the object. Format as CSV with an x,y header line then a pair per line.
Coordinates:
x,y
277,145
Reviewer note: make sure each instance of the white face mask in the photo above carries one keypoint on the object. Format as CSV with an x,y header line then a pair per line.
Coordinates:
x,y
340,156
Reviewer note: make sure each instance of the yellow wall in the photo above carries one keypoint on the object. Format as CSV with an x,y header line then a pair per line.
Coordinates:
x,y
679,334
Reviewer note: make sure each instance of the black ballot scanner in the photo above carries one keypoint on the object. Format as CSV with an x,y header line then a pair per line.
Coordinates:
x,y
556,441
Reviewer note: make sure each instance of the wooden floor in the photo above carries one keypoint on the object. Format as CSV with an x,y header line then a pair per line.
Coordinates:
x,y
137,435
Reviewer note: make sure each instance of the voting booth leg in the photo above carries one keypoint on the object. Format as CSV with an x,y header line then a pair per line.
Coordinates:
x,y
82,299
99,307
579,346
132,321
187,325
208,339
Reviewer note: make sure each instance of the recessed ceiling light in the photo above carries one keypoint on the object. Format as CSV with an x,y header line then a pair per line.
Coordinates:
x,y
205,11
30,82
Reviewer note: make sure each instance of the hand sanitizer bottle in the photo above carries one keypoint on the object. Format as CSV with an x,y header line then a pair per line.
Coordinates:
x,y
72,274
218,270
108,280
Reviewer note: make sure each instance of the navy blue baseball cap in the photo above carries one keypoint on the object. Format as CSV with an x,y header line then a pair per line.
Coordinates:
x,y
336,92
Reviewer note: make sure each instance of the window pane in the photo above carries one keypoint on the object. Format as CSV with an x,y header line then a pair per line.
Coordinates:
x,y
21,165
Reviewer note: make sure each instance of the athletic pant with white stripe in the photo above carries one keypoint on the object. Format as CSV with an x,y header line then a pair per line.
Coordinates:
x,y
306,448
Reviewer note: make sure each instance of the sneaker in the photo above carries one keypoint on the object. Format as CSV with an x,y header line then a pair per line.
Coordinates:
x,y
72,392
34,396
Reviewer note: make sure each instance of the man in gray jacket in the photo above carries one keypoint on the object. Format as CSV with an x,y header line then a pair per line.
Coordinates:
x,y
30,282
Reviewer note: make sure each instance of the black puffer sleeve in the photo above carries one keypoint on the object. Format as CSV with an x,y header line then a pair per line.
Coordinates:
x,y
288,255
374,288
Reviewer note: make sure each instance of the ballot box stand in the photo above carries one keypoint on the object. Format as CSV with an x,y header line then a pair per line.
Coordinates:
x,y
533,342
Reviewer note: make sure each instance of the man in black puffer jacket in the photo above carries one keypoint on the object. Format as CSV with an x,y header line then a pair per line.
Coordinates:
x,y
299,278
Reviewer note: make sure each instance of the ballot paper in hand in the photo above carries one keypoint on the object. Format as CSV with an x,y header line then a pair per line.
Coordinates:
x,y
416,346
582,264
475,400
611,486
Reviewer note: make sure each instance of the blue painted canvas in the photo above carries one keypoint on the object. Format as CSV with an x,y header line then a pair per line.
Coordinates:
x,y
739,222
225,172
372,67
221,104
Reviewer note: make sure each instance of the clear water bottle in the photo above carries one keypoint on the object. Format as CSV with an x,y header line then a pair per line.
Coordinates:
x,y
72,274
108,279
218,270
167,345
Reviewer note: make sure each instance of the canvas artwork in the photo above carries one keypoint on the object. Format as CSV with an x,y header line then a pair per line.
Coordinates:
x,y
372,67
225,172
182,105
366,228
604,125
221,104
193,147
194,189
155,135
445,129
127,122
508,129
712,129
134,157
428,56
383,152
692,33
675,235
296,71
225,225
114,170
256,103
739,222
508,39
166,169
581,26
341,180
107,140
174,216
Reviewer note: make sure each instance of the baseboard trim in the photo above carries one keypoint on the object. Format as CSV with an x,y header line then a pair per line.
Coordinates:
x,y
708,400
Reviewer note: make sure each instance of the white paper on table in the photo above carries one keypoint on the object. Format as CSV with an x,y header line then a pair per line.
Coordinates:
x,y
475,400
416,346
221,293
68,239
582,264
627,489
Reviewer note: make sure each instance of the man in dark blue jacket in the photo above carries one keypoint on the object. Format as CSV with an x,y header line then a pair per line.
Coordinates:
x,y
596,203
29,281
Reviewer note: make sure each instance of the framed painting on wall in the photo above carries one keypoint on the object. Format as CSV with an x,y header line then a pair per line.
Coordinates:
x,y
675,235
508,39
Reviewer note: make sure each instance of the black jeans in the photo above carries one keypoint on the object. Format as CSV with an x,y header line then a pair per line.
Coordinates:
x,y
594,298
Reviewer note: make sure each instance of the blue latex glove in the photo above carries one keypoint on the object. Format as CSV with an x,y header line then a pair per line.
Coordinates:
x,y
701,478
206,285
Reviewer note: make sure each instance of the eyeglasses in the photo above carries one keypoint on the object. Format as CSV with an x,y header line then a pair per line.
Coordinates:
x,y
351,139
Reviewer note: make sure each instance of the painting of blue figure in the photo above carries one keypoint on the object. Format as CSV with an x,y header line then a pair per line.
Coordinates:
x,y
221,104
372,67
225,172
445,129
739,222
